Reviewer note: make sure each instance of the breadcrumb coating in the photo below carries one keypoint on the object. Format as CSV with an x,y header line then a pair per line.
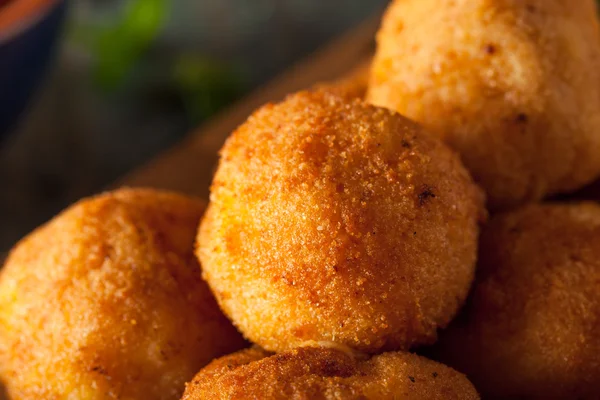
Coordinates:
x,y
335,221
106,301
327,374
513,85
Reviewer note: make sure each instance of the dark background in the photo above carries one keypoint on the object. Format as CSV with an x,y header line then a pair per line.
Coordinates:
x,y
132,77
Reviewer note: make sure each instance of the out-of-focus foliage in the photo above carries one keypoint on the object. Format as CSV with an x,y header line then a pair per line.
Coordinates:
x,y
207,85
126,47
120,46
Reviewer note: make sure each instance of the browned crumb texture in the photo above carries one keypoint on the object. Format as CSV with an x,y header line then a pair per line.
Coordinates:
x,y
106,301
513,85
327,374
333,220
532,328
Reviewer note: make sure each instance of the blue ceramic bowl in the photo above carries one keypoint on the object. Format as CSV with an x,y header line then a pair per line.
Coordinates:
x,y
28,34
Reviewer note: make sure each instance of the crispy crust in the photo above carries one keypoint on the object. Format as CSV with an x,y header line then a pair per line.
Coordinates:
x,y
327,374
106,301
513,85
336,221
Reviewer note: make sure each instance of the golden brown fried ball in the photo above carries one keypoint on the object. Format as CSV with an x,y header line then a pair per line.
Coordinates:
x,y
327,374
532,327
106,301
336,221
513,85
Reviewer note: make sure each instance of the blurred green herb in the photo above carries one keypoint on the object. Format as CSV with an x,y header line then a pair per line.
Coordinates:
x,y
207,85
203,84
120,46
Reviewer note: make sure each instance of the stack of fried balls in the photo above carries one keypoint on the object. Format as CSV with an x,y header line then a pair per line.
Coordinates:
x,y
396,235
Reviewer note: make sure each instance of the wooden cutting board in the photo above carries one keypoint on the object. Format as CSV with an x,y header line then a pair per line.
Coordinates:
x,y
188,167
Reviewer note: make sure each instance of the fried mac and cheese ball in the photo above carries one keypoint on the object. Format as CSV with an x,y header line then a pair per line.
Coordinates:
x,y
513,85
106,301
327,374
336,221
531,329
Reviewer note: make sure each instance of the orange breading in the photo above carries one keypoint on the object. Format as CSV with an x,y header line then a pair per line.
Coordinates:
x,y
106,301
513,85
333,220
327,374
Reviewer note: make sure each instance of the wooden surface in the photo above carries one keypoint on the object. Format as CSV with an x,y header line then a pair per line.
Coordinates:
x,y
189,166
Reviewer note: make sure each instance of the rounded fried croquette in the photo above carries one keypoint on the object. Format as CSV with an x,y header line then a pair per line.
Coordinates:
x,y
106,301
336,221
513,85
531,329
327,374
